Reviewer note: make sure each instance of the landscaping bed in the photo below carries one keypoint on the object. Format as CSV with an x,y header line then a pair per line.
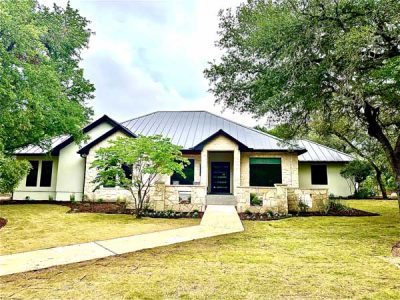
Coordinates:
x,y
348,212
3,222
267,216
104,208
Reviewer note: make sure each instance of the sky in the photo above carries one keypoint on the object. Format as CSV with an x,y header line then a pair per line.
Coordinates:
x,y
149,55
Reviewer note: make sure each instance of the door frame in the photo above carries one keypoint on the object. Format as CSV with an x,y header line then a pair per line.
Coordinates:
x,y
213,163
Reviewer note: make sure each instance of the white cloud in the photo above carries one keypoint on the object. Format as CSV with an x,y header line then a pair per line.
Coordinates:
x,y
150,55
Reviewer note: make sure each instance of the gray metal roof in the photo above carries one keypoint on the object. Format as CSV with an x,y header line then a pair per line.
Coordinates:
x,y
320,153
33,149
189,128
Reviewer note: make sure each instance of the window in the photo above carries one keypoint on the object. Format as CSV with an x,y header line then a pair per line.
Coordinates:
x,y
127,170
188,171
31,179
319,174
45,176
265,171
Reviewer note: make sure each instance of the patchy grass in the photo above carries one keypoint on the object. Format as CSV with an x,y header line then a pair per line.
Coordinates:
x,y
297,258
37,226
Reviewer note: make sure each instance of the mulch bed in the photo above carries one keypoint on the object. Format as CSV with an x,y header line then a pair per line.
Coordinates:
x,y
105,208
350,212
261,217
3,222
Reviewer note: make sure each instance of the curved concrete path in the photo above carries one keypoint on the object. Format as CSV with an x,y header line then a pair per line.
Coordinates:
x,y
217,220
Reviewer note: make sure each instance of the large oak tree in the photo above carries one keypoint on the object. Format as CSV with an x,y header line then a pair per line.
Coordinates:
x,y
43,93
330,63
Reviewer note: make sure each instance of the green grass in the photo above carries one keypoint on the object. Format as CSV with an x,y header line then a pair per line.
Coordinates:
x,y
297,258
38,226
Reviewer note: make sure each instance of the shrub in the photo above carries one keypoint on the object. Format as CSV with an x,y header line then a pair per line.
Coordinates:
x,y
72,198
303,207
27,198
195,214
51,198
364,193
254,200
100,200
337,205
247,212
85,197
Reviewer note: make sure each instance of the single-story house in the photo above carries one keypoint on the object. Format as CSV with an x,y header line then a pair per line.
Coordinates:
x,y
229,163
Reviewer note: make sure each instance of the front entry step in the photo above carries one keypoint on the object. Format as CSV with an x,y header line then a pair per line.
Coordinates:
x,y
220,200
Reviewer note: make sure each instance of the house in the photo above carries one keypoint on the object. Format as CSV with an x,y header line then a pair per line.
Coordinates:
x,y
229,163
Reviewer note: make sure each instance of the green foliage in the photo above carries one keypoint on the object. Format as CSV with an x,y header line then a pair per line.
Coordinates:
x,y
254,200
149,156
12,171
43,93
51,198
303,207
331,65
358,170
72,198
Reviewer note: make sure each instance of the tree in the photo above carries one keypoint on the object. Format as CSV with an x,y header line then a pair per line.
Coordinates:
x,y
145,157
308,62
43,93
354,142
356,171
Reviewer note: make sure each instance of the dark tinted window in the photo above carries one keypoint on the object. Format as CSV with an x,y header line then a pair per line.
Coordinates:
x,y
265,171
127,170
31,179
45,176
188,171
319,174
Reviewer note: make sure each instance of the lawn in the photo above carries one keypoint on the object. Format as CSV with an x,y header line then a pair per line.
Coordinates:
x,y
37,226
297,258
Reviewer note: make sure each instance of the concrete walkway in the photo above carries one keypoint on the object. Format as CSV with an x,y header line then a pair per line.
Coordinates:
x,y
217,220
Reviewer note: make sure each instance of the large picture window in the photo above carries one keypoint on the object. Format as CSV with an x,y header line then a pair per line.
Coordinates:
x,y
319,175
45,176
188,171
31,179
265,171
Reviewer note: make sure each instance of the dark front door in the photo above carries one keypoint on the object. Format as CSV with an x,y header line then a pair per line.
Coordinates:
x,y
220,177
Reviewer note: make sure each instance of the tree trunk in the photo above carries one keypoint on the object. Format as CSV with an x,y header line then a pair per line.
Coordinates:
x,y
381,183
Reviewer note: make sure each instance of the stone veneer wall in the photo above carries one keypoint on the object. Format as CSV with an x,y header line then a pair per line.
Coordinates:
x,y
274,199
319,198
166,197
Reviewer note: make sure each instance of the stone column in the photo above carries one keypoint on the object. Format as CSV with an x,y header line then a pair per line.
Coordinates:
x,y
281,197
236,171
204,168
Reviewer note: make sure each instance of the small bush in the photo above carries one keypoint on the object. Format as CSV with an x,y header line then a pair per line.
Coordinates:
x,y
27,198
51,198
100,200
254,200
364,193
85,198
247,212
72,198
303,207
337,205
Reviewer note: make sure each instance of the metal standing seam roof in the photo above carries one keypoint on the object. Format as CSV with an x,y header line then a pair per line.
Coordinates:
x,y
189,128
320,153
33,149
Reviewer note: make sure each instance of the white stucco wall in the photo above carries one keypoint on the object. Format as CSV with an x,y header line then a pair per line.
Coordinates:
x,y
337,185
37,192
71,167
68,172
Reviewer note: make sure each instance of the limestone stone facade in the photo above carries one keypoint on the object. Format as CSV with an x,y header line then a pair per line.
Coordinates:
x,y
280,198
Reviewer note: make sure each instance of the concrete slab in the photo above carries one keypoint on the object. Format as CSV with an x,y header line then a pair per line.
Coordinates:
x,y
217,220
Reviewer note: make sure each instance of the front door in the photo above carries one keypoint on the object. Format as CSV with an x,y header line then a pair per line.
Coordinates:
x,y
220,177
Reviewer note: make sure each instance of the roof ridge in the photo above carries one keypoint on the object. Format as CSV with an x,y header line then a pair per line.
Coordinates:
x,y
322,145
142,116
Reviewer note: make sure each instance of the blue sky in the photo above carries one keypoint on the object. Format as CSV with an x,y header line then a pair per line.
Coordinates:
x,y
150,55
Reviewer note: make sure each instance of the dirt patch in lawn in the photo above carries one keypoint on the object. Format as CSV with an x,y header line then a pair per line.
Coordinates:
x,y
104,208
3,222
